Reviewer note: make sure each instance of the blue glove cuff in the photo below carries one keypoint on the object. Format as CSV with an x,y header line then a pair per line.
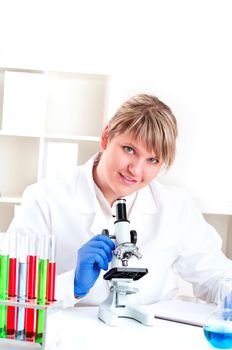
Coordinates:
x,y
79,296
78,293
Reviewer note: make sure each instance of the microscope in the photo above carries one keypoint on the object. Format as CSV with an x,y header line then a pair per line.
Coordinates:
x,y
117,304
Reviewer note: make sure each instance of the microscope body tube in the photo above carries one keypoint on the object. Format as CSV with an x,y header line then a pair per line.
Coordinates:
x,y
122,228
122,232
122,225
122,235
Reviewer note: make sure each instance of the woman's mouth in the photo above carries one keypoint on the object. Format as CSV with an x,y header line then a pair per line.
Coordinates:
x,y
127,179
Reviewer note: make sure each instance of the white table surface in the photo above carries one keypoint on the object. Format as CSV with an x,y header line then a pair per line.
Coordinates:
x,y
81,329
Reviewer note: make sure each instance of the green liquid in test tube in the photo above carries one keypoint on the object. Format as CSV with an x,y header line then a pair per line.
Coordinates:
x,y
4,276
42,286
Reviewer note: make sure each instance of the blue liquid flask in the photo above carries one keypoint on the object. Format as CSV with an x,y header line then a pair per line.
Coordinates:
x,y
218,326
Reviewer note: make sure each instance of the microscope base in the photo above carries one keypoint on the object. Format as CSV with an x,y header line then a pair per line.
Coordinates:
x,y
110,317
117,305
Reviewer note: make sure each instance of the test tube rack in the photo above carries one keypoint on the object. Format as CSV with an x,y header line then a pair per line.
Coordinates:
x,y
52,326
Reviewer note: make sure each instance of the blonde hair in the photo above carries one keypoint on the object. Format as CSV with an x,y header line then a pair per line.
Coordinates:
x,y
150,121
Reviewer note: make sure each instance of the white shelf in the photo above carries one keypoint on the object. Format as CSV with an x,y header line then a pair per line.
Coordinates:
x,y
217,206
72,137
51,136
39,108
18,134
10,200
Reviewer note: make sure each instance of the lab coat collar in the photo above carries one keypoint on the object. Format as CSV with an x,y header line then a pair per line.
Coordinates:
x,y
144,204
85,188
146,200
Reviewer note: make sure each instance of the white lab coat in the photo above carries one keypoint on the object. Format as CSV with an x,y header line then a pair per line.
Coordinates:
x,y
172,235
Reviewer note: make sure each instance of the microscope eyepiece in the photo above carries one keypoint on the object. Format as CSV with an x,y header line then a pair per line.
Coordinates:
x,y
121,210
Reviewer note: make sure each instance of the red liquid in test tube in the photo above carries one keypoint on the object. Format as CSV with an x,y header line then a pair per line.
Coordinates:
x,y
11,311
30,313
51,270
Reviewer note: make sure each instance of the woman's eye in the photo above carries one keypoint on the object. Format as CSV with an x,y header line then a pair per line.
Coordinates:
x,y
153,160
129,149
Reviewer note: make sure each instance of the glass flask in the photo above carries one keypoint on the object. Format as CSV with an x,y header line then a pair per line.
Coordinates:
x,y
218,326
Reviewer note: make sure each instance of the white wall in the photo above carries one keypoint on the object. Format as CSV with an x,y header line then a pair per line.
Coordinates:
x,y
185,60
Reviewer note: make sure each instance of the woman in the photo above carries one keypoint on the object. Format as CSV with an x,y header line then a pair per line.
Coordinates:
x,y
136,144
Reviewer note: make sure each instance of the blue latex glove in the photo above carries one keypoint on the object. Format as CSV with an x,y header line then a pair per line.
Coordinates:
x,y
92,257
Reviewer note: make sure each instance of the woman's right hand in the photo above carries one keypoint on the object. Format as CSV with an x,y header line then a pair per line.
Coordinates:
x,y
91,258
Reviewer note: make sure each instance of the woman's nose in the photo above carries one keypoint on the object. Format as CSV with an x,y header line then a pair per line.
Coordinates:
x,y
136,167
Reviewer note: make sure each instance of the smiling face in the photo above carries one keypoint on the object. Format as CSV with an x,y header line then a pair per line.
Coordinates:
x,y
125,166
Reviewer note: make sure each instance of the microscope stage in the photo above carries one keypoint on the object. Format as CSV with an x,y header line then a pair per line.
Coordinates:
x,y
125,272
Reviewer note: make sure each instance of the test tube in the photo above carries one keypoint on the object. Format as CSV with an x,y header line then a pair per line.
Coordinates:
x,y
30,313
51,269
22,279
4,276
11,311
42,286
